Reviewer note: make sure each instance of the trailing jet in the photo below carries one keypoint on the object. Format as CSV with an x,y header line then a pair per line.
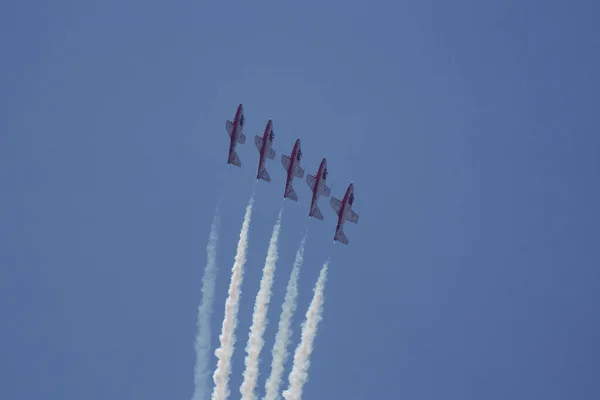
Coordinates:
x,y
318,187
235,130
294,170
345,213
265,150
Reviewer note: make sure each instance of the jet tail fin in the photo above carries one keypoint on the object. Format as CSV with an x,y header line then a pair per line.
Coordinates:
x,y
264,175
340,236
291,193
315,212
234,159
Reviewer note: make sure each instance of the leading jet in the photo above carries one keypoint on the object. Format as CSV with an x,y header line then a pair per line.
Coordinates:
x,y
265,150
345,213
318,187
294,170
236,135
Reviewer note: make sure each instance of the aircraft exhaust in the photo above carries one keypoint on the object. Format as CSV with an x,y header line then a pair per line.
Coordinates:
x,y
314,314
205,309
259,317
227,337
284,331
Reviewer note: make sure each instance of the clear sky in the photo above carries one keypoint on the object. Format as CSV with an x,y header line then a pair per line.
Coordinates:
x,y
467,127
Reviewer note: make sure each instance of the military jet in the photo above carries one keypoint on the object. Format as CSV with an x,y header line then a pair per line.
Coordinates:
x,y
345,213
319,188
236,135
265,150
294,170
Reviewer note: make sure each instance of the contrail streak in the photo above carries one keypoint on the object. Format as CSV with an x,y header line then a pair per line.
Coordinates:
x,y
259,317
284,331
227,337
299,374
201,374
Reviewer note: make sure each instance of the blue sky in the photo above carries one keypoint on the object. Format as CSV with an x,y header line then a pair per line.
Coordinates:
x,y
470,131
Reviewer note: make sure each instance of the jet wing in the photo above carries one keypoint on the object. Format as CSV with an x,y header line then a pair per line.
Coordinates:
x,y
258,142
311,181
241,138
352,216
229,127
298,171
271,154
285,161
323,189
240,125
336,205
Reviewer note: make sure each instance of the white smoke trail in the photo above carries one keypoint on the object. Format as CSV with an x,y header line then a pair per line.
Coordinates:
x,y
205,309
259,317
299,374
284,331
227,337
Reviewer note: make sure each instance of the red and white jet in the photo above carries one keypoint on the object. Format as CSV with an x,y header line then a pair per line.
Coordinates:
x,y
294,170
236,135
345,213
265,150
318,187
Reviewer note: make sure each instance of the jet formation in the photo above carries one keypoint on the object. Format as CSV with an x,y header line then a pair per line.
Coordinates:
x,y
291,164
